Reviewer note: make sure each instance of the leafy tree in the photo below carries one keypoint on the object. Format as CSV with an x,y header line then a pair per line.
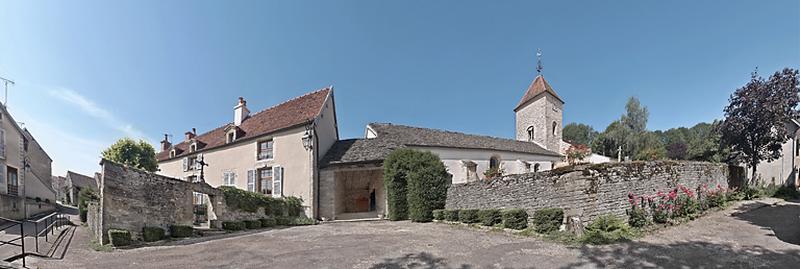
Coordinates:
x,y
126,151
577,152
677,151
579,133
755,119
704,144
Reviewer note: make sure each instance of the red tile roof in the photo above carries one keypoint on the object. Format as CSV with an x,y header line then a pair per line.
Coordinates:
x,y
294,112
537,87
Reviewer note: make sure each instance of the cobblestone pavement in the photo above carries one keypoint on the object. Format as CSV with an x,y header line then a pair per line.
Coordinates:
x,y
748,235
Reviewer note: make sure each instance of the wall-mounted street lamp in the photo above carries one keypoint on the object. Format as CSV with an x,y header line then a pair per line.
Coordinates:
x,y
307,143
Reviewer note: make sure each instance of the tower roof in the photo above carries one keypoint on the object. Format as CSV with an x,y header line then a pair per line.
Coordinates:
x,y
537,87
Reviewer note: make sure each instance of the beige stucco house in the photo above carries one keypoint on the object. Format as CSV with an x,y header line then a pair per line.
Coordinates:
x,y
786,169
25,172
74,183
274,151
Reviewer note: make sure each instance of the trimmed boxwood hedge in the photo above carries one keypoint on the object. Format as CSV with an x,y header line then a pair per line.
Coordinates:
x,y
252,224
489,217
438,214
548,220
416,183
179,231
515,219
151,234
119,237
268,222
283,221
451,215
233,225
468,215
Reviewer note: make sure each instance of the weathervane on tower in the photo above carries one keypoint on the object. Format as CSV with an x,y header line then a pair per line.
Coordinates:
x,y
539,61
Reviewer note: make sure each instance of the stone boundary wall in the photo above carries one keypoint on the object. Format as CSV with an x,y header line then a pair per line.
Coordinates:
x,y
131,199
588,191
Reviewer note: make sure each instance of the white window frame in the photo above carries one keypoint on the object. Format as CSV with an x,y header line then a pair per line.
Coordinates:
x,y
251,181
228,178
272,150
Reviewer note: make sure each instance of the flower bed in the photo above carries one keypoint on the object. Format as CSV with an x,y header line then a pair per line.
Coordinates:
x,y
679,204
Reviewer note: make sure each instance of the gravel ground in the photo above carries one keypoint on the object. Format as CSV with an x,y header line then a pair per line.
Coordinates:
x,y
748,235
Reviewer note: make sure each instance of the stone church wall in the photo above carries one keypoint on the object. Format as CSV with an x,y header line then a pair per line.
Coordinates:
x,y
589,191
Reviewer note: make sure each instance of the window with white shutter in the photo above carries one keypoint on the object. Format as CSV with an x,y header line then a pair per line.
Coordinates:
x,y
277,181
185,164
251,180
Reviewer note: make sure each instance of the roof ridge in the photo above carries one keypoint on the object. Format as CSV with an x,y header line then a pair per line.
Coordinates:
x,y
295,98
455,132
263,110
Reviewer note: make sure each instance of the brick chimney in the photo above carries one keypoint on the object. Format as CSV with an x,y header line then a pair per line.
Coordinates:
x,y
192,134
165,144
240,112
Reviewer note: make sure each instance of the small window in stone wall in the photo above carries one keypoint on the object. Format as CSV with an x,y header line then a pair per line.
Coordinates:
x,y
531,135
494,162
536,167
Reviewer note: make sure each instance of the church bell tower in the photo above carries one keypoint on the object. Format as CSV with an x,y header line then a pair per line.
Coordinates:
x,y
539,113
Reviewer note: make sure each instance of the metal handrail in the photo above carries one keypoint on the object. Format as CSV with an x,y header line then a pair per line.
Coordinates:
x,y
51,221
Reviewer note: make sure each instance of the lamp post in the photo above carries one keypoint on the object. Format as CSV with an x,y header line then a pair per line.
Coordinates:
x,y
307,143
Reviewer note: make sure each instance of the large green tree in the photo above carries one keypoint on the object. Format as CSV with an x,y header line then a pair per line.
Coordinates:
x,y
579,133
139,154
755,120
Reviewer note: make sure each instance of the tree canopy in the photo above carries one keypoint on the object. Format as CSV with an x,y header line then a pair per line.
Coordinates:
x,y
579,133
126,151
755,120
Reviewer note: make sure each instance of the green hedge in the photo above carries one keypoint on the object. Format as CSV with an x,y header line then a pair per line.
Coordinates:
x,y
395,168
238,199
178,231
119,237
489,217
300,221
515,219
252,224
233,225
548,220
85,196
427,186
283,221
468,216
268,222
451,215
438,214
151,234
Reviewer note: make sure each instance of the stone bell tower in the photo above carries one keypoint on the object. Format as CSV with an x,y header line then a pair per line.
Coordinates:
x,y
539,114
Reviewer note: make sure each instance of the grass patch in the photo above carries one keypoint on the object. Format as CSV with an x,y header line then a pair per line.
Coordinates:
x,y
94,245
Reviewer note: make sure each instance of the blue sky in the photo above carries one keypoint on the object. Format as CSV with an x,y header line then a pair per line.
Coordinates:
x,y
90,72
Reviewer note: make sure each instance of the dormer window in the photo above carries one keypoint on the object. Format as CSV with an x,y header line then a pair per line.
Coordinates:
x,y
172,153
231,137
193,147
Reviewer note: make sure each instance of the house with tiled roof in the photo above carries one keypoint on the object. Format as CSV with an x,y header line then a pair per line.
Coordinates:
x,y
76,182
274,151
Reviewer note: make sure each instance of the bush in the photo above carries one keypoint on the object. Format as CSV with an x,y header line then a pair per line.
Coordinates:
x,y
299,221
416,182
119,238
515,219
151,234
786,193
451,215
268,222
233,225
468,215
238,199
85,196
438,214
605,230
179,231
548,220
489,217
252,224
283,221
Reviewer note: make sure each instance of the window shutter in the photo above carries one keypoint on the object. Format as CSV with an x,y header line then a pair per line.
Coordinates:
x,y
277,181
251,181
197,161
3,143
185,164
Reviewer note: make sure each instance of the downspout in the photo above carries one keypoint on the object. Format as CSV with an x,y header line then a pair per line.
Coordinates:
x,y
315,172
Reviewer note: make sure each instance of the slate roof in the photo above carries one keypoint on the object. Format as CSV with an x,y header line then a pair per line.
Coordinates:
x,y
292,113
391,136
537,87
81,181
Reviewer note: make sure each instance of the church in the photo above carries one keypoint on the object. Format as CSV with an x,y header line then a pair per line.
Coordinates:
x,y
351,173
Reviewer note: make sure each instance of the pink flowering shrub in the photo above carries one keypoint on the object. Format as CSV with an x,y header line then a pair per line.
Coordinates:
x,y
680,202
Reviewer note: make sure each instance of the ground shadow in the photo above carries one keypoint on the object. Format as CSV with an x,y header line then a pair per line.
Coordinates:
x,y
783,219
185,241
689,254
422,260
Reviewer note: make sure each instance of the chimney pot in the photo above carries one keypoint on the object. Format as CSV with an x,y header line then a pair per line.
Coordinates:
x,y
165,144
240,112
